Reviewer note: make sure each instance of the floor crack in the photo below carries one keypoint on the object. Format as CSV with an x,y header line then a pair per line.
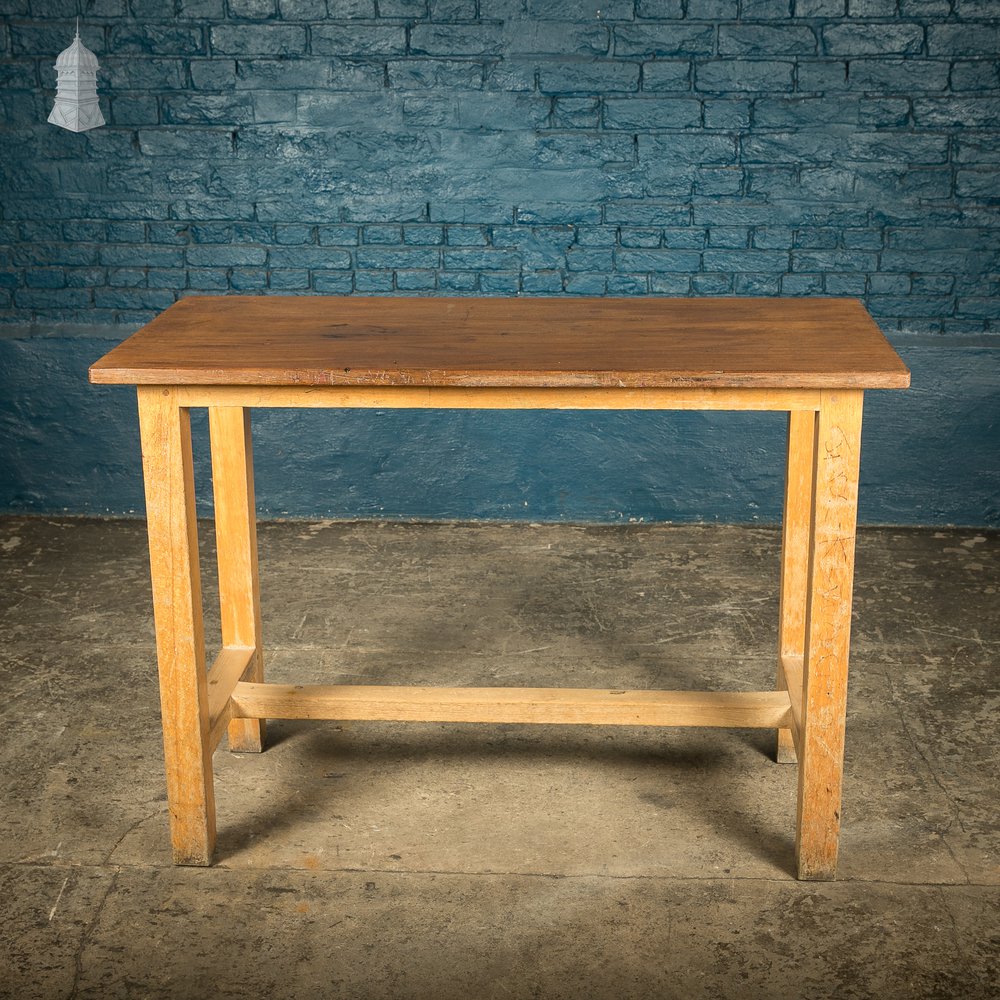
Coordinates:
x,y
87,932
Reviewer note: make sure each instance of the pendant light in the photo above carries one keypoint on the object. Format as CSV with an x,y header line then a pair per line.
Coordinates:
x,y
76,106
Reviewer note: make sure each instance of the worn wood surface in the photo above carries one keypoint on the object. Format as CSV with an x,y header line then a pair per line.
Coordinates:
x,y
177,612
573,706
829,592
622,343
236,535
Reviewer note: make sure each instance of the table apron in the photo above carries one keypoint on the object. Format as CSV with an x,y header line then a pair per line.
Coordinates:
x,y
493,398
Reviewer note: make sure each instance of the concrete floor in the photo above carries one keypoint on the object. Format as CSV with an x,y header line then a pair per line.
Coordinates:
x,y
411,861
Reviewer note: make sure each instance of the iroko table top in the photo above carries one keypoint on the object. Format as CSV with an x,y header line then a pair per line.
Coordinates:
x,y
536,342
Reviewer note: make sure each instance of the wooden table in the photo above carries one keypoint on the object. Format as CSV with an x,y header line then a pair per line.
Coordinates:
x,y
810,357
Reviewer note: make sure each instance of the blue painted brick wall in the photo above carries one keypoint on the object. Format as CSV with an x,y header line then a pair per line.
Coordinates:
x,y
695,147
508,147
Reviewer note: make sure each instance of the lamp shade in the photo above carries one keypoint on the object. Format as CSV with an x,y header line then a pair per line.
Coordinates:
x,y
76,106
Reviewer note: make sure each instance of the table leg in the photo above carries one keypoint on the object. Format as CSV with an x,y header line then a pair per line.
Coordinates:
x,y
827,631
177,610
236,538
795,558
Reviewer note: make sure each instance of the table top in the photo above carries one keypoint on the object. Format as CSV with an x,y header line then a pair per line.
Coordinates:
x,y
539,342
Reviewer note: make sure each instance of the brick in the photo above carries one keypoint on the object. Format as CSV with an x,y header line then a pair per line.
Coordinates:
x,y
651,41
963,40
223,256
730,238
486,259
542,283
766,40
576,112
643,114
423,235
383,235
411,258
803,112
274,108
333,282
134,110
628,284
586,284
888,113
416,281
759,10
342,110
801,284
458,281
155,39
125,232
338,235
208,109
358,40
660,9
714,10
248,279
574,10
288,279
685,239
821,75
373,281
187,143
657,260
565,38
208,279
402,8
117,74
452,10
711,284
975,74
871,8
647,213
833,260
123,256
49,277
982,185
200,8
589,259
721,114
762,76
973,112
254,10
873,39
499,283
293,234
305,10
757,284
456,40
819,8
127,277
889,284
663,153
309,257
281,74
745,260
420,73
157,277
669,284
640,238
596,236
666,74
601,77
898,76
258,39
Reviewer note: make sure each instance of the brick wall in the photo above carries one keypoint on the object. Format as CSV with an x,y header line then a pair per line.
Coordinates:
x,y
501,147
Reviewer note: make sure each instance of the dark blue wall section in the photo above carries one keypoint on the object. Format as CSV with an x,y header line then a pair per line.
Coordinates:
x,y
929,454
507,147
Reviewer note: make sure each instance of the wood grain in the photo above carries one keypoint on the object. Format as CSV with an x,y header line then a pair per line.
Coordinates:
x,y
619,343
573,706
177,612
829,590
